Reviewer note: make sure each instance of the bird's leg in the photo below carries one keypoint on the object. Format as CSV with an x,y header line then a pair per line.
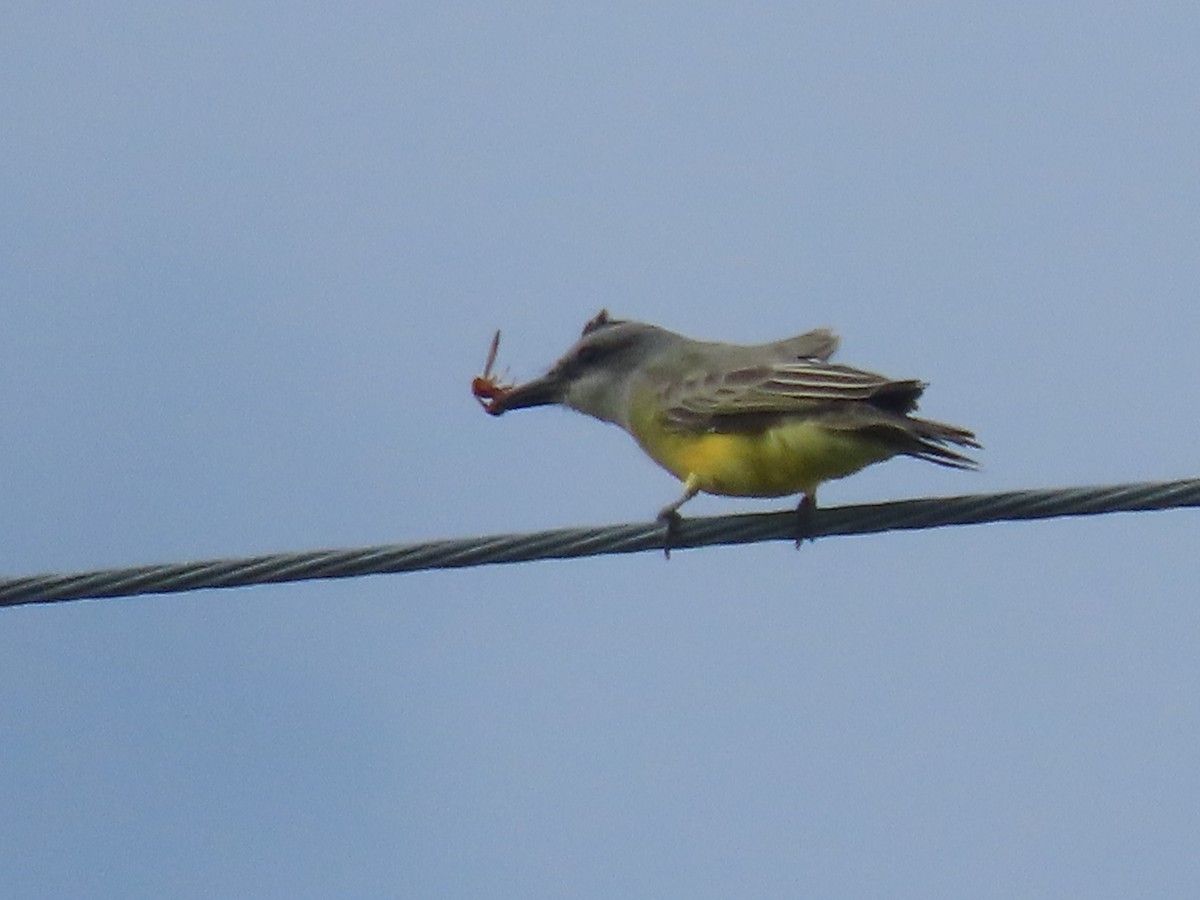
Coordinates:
x,y
804,518
669,514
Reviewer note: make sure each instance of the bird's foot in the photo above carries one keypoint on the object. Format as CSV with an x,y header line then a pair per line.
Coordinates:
x,y
669,514
804,520
671,520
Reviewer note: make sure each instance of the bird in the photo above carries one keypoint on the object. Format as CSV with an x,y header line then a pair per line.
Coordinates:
x,y
762,420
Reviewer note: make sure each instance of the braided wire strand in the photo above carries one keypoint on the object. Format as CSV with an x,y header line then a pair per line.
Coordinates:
x,y
569,543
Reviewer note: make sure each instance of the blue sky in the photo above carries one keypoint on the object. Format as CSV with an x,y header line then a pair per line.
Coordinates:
x,y
250,258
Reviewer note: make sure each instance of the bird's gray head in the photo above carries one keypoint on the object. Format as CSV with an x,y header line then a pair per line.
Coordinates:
x,y
595,375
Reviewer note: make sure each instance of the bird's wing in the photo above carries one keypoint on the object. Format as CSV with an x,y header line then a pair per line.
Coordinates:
x,y
712,397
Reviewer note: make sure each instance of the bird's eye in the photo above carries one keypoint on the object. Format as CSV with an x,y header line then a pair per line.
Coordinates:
x,y
587,354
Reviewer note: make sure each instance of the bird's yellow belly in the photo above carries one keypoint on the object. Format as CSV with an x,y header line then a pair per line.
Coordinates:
x,y
786,458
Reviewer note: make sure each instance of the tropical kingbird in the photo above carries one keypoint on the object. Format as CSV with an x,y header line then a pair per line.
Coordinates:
x,y
765,420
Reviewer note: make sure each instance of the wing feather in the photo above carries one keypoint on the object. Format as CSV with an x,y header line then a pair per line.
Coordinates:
x,y
805,386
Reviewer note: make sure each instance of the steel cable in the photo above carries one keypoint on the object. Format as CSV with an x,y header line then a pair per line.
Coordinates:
x,y
567,543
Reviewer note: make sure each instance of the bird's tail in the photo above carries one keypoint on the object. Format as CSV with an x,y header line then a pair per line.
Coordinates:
x,y
930,440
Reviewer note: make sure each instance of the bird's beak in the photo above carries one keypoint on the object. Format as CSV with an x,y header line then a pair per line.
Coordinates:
x,y
541,391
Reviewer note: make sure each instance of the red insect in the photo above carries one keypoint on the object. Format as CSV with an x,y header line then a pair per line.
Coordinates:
x,y
484,387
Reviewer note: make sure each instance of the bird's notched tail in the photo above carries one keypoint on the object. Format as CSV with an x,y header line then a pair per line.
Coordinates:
x,y
763,420
932,438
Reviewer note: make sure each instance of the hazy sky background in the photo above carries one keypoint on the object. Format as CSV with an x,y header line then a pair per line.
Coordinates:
x,y
251,256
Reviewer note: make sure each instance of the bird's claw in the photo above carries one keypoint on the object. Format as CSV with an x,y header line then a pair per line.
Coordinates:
x,y
671,520
804,520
